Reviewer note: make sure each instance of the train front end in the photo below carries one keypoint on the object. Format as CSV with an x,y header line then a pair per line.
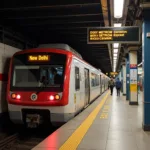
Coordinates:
x,y
37,90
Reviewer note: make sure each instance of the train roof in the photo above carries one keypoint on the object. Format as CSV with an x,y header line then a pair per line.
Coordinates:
x,y
61,46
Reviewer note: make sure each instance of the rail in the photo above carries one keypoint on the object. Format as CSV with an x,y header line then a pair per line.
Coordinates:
x,y
8,140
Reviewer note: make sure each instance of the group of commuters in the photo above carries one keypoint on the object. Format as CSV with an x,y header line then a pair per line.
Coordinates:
x,y
118,85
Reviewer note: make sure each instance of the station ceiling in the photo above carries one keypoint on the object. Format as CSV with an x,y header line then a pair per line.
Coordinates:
x,y
61,21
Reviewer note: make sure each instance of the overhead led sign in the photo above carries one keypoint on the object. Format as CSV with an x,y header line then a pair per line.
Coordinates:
x,y
105,35
38,58
113,73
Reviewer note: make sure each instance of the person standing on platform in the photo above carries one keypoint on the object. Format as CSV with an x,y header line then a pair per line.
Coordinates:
x,y
111,85
118,86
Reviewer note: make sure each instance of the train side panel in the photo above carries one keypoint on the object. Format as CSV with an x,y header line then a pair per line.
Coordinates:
x,y
78,86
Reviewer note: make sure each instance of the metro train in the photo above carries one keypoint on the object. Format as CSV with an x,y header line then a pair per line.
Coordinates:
x,y
51,83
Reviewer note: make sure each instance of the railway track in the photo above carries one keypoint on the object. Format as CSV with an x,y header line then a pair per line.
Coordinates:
x,y
25,144
16,137
8,140
24,140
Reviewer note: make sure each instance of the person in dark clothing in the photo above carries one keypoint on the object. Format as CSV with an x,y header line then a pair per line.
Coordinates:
x,y
57,77
111,85
118,86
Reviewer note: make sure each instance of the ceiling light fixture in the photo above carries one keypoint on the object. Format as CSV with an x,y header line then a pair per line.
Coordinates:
x,y
115,55
118,8
115,50
116,45
117,24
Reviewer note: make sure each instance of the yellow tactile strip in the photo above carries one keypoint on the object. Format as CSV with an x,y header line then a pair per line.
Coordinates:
x,y
75,139
105,110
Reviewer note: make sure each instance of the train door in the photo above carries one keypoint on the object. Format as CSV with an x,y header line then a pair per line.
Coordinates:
x,y
100,85
87,86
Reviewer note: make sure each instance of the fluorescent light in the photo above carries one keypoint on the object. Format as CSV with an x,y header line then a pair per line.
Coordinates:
x,y
115,50
117,24
118,8
115,55
114,69
116,45
115,58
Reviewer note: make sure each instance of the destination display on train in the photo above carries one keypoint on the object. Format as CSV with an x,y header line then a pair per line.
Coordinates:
x,y
38,58
105,35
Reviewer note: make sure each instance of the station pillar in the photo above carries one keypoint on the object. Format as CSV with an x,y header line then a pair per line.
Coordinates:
x,y
146,69
133,98
127,78
124,79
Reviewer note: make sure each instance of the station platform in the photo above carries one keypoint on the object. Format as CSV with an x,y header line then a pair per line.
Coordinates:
x,y
109,123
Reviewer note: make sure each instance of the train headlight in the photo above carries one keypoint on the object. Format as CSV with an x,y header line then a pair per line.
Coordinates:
x,y
13,96
54,97
51,98
18,97
57,97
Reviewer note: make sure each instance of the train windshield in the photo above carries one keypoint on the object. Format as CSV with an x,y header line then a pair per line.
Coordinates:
x,y
31,75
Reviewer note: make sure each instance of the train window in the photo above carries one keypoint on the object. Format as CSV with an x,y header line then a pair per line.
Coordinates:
x,y
36,76
97,80
94,80
77,78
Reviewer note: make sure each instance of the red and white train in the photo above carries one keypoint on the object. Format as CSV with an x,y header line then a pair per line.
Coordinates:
x,y
51,83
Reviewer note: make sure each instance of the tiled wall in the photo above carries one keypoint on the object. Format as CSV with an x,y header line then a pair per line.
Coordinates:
x,y
6,52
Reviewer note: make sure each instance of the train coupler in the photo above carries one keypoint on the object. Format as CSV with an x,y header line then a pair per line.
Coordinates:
x,y
33,120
